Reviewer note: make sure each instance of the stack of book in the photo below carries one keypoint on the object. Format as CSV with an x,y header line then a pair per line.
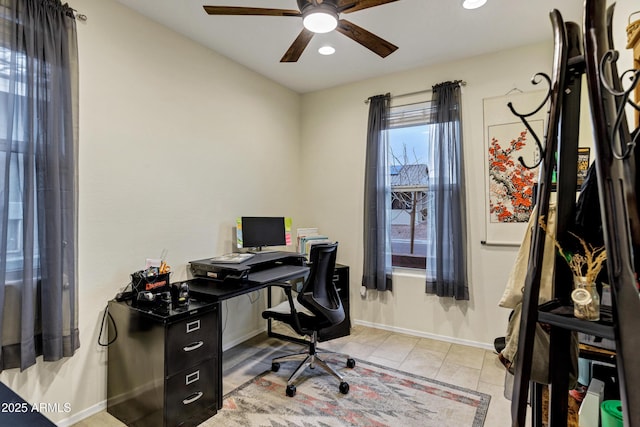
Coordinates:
x,y
307,237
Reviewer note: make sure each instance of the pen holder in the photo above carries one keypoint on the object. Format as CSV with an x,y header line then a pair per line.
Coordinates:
x,y
143,280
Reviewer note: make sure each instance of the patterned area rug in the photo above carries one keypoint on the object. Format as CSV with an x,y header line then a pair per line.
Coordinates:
x,y
378,396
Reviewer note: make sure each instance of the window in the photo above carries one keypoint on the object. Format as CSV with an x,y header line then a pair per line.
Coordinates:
x,y
12,137
408,168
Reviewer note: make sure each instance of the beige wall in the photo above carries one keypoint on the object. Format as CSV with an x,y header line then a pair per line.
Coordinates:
x,y
334,138
333,149
176,141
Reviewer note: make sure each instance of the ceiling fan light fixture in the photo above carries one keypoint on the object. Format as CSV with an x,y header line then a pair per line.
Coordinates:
x,y
327,50
473,4
320,19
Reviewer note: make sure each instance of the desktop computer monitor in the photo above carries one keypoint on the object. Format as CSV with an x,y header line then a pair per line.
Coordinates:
x,y
257,232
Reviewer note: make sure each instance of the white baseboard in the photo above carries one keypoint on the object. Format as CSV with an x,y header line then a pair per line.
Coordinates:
x,y
86,413
421,334
243,338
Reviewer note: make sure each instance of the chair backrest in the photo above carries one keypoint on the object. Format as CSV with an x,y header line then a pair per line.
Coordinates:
x,y
319,294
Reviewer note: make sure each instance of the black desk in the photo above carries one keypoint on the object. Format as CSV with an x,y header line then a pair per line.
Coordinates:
x,y
165,368
216,282
220,281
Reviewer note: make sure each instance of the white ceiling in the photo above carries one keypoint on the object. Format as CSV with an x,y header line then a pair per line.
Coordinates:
x,y
427,32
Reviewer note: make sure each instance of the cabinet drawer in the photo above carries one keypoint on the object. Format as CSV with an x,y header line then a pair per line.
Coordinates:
x,y
190,395
190,341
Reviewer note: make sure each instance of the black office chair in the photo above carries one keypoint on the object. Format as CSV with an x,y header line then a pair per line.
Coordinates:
x,y
316,307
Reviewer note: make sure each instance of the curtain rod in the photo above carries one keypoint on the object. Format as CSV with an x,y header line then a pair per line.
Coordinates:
x,y
79,15
462,83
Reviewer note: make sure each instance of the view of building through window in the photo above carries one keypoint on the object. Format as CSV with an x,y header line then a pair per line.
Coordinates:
x,y
411,199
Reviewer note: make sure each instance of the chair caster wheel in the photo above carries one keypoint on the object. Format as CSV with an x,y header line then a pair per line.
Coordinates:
x,y
275,367
351,363
291,390
344,388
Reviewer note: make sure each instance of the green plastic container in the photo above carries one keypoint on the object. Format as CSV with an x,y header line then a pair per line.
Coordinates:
x,y
611,413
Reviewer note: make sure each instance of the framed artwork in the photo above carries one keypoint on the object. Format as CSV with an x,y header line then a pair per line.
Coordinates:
x,y
510,184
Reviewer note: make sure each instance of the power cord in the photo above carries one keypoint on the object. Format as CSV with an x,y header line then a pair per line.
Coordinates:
x,y
115,328
125,295
226,316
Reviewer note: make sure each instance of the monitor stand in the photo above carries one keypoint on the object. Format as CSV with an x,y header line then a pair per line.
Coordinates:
x,y
259,250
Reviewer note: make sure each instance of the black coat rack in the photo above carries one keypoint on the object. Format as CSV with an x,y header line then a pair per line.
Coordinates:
x,y
577,53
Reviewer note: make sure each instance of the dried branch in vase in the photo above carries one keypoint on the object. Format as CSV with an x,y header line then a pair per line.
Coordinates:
x,y
593,258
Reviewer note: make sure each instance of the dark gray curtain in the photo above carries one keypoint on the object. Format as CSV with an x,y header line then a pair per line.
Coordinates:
x,y
377,199
38,181
447,250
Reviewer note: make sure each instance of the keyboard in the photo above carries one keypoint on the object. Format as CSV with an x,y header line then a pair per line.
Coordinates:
x,y
278,273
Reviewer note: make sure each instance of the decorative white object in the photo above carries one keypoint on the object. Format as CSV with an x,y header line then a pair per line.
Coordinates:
x,y
589,412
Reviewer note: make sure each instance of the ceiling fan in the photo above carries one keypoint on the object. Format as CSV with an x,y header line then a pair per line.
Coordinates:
x,y
319,16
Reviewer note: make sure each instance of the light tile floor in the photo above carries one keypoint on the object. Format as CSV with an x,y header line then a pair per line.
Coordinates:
x,y
465,366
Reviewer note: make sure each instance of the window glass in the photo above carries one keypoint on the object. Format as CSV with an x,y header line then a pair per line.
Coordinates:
x,y
411,199
13,136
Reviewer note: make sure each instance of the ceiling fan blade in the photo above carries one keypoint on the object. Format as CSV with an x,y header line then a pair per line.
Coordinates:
x,y
298,46
231,10
369,40
348,6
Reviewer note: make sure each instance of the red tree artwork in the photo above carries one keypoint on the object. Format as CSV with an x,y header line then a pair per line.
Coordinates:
x,y
511,184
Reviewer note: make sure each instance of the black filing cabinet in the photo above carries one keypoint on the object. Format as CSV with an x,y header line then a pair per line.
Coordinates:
x,y
163,369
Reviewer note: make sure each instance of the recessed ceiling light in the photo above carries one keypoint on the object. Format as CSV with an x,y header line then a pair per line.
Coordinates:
x,y
326,50
473,4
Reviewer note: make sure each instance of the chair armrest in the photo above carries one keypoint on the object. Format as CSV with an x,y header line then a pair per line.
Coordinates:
x,y
283,285
287,287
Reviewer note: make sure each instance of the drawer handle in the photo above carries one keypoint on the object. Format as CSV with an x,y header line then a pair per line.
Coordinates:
x,y
193,326
192,398
193,346
192,377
